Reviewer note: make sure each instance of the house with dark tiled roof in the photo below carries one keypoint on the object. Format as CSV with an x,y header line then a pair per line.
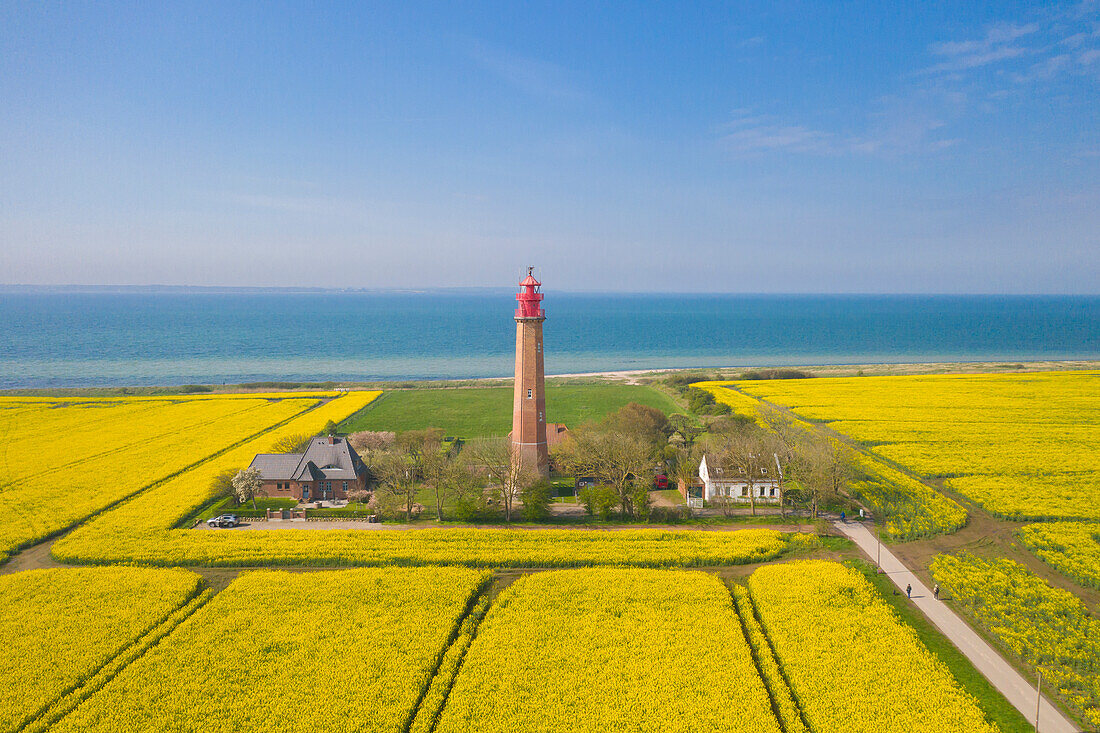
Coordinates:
x,y
327,470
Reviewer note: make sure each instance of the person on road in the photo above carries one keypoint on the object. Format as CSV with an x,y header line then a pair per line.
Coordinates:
x,y
909,591
936,591
842,517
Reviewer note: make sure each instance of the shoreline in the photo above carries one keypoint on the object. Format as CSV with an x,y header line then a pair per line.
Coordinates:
x,y
627,376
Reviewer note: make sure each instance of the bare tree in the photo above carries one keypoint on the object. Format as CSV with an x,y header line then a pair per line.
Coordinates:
x,y
398,476
824,466
246,484
616,459
751,453
292,443
448,478
371,440
507,472
788,438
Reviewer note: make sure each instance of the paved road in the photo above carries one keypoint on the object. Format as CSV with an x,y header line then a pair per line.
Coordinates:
x,y
1012,685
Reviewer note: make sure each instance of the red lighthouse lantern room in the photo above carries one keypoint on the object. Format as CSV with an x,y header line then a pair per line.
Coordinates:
x,y
530,297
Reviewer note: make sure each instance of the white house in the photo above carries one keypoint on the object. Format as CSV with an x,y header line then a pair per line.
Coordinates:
x,y
725,480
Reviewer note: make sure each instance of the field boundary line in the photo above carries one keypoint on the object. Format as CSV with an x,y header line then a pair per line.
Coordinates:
x,y
746,613
983,655
824,429
54,711
121,448
480,596
123,499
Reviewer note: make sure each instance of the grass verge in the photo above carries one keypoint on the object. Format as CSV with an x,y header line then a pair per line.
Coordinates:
x,y
996,708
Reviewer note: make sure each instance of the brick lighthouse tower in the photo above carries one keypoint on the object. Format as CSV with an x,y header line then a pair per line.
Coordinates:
x,y
529,406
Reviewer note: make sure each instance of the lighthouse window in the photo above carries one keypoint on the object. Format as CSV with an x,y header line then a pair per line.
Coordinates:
x,y
528,394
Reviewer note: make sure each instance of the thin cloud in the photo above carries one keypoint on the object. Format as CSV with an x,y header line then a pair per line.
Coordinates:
x,y
531,76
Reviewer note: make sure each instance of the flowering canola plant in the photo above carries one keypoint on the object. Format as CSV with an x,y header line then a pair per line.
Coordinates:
x,y
61,462
1071,547
1024,446
851,664
610,649
59,626
142,530
348,650
910,508
1047,627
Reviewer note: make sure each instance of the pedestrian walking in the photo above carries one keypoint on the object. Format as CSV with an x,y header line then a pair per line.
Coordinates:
x,y
909,591
936,591
842,516
861,514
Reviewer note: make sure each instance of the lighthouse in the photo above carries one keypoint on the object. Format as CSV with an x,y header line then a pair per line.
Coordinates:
x,y
529,403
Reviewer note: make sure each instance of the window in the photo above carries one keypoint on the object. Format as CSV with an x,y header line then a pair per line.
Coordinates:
x,y
528,394
345,486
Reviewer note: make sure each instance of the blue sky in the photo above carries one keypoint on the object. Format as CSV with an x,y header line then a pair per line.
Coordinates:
x,y
765,147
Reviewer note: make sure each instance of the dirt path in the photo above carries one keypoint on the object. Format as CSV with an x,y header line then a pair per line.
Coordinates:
x,y
32,558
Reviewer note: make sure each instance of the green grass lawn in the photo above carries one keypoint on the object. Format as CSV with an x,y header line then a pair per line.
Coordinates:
x,y
472,412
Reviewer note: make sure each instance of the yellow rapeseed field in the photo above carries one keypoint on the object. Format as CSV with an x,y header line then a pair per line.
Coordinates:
x,y
1024,446
610,649
910,509
1071,547
57,627
348,650
1046,627
851,664
63,461
142,530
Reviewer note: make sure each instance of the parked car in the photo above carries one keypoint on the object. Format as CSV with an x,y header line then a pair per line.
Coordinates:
x,y
224,520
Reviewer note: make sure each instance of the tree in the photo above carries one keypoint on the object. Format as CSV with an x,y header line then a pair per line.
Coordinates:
x,y
246,484
330,428
397,474
536,499
222,484
613,458
505,469
751,452
449,479
642,422
366,441
686,426
599,501
292,443
824,466
420,442
787,439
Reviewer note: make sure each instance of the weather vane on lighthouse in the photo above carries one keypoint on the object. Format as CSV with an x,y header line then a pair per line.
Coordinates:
x,y
529,405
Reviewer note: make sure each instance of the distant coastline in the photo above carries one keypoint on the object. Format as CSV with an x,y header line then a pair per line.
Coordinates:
x,y
148,338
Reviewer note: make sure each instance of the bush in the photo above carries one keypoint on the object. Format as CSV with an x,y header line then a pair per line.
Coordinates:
x,y
776,374
292,443
536,500
599,501
474,509
668,514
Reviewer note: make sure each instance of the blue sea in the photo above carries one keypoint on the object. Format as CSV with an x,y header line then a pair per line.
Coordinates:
x,y
56,339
